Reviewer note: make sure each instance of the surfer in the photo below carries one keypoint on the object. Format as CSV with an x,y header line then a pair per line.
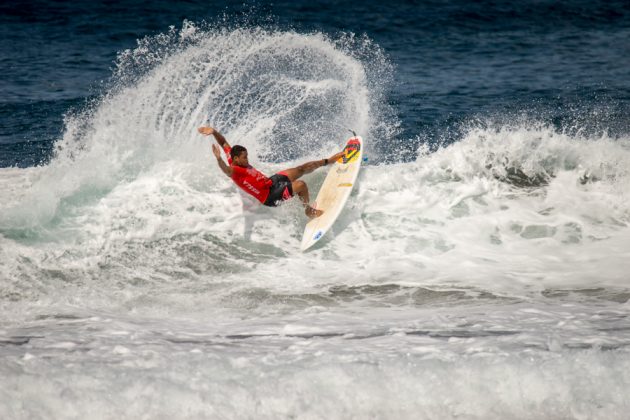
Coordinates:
x,y
268,190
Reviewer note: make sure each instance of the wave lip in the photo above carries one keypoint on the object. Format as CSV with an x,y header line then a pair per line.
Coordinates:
x,y
284,95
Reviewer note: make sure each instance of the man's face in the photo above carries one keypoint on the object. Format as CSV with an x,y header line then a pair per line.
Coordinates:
x,y
241,159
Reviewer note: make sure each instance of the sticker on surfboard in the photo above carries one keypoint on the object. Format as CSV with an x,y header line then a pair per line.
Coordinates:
x,y
351,152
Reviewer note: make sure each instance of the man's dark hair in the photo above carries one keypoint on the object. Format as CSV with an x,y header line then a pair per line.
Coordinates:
x,y
237,150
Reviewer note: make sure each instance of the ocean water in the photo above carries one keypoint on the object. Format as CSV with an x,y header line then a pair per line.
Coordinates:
x,y
480,269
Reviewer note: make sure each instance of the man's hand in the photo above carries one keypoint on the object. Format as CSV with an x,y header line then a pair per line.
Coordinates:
x,y
216,151
206,131
335,157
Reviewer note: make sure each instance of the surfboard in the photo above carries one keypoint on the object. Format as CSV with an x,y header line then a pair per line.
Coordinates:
x,y
334,192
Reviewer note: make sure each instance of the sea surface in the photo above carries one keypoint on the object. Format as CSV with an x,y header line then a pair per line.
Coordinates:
x,y
480,270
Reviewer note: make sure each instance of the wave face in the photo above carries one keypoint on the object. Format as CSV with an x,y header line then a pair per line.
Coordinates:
x,y
497,261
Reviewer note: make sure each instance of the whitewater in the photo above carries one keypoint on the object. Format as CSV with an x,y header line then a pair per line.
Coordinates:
x,y
482,278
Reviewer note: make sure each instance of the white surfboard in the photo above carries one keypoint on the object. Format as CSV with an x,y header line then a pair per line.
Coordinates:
x,y
334,192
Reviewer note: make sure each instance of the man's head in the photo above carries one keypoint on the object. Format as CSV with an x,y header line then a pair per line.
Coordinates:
x,y
239,156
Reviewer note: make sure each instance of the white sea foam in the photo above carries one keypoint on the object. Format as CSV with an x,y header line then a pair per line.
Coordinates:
x,y
131,271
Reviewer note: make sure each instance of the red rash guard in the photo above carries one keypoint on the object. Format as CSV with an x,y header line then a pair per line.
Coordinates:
x,y
249,179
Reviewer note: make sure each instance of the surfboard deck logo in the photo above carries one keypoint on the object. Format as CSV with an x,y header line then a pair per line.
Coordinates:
x,y
351,151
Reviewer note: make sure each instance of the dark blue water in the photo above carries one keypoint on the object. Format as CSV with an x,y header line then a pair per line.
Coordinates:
x,y
563,63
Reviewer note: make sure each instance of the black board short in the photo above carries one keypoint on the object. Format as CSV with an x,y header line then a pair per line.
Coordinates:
x,y
280,190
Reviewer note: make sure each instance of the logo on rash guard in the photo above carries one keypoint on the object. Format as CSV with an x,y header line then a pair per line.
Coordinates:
x,y
251,187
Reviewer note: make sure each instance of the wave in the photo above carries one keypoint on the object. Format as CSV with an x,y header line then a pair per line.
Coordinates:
x,y
133,199
283,95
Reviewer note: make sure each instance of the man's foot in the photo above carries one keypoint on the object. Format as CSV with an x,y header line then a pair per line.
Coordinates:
x,y
312,212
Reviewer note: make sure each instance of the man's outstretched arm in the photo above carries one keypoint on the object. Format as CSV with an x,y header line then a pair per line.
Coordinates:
x,y
206,131
224,167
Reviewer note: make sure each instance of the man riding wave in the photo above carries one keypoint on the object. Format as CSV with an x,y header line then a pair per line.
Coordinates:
x,y
268,190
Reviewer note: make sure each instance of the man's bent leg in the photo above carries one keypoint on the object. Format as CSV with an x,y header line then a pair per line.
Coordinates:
x,y
301,189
